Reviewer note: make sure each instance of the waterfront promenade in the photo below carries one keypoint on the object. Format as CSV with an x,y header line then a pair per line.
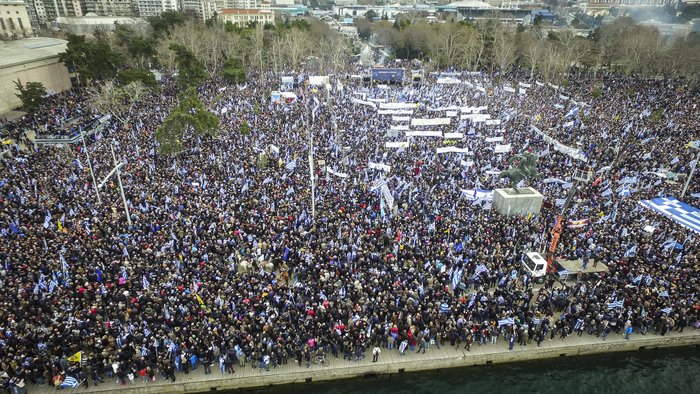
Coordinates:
x,y
390,362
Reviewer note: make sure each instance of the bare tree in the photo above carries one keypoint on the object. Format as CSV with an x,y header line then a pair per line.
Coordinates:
x,y
118,101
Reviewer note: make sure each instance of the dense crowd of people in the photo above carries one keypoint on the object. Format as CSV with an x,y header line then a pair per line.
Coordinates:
x,y
227,262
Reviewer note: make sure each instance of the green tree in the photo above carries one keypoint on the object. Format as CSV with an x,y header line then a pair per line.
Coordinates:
x,y
144,76
32,95
163,23
189,115
191,71
233,71
92,61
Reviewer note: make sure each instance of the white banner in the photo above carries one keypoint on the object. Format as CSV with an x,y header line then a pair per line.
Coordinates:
x,y
478,194
474,110
430,122
424,133
457,136
522,91
338,174
400,118
381,167
493,172
493,122
397,144
467,163
476,118
494,139
388,197
573,152
502,148
448,80
274,148
392,133
508,89
450,108
452,149
395,112
451,114
363,102
525,85
398,105
319,80
399,127
377,100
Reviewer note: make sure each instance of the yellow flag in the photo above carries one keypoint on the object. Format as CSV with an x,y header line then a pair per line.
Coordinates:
x,y
6,141
76,358
529,216
199,299
60,226
538,118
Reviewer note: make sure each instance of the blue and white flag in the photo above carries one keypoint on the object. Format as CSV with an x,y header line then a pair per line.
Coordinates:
x,y
616,304
667,310
146,283
479,269
572,112
506,322
457,277
664,294
631,252
124,274
291,165
69,381
472,301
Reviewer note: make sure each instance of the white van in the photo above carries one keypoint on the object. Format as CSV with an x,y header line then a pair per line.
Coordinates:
x,y
535,265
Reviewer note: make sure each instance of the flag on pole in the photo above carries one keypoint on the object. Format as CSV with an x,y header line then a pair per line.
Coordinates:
x,y
76,358
146,283
199,299
506,322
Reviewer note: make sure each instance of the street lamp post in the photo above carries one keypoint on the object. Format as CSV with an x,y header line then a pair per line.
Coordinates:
x,y
692,172
92,174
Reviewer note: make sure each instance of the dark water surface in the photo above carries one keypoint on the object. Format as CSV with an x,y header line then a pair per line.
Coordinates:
x,y
658,371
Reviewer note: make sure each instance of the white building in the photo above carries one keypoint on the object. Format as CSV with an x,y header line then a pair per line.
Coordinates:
x,y
90,23
31,60
242,17
110,7
14,19
149,8
205,9
56,8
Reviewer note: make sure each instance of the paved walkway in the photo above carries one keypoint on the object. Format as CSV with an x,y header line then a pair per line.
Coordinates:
x,y
390,362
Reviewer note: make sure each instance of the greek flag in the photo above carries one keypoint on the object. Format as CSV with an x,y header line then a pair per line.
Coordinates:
x,y
637,280
572,112
124,274
631,251
144,351
456,277
69,381
667,310
291,165
616,304
472,301
664,294
342,292
506,322
479,269
146,284
377,184
444,308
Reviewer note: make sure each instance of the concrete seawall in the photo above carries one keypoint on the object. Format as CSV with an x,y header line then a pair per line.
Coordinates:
x,y
392,363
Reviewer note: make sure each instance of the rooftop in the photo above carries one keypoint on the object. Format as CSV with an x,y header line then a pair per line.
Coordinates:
x,y
472,4
29,50
236,11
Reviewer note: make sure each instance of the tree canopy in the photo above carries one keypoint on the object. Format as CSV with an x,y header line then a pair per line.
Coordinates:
x,y
32,94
